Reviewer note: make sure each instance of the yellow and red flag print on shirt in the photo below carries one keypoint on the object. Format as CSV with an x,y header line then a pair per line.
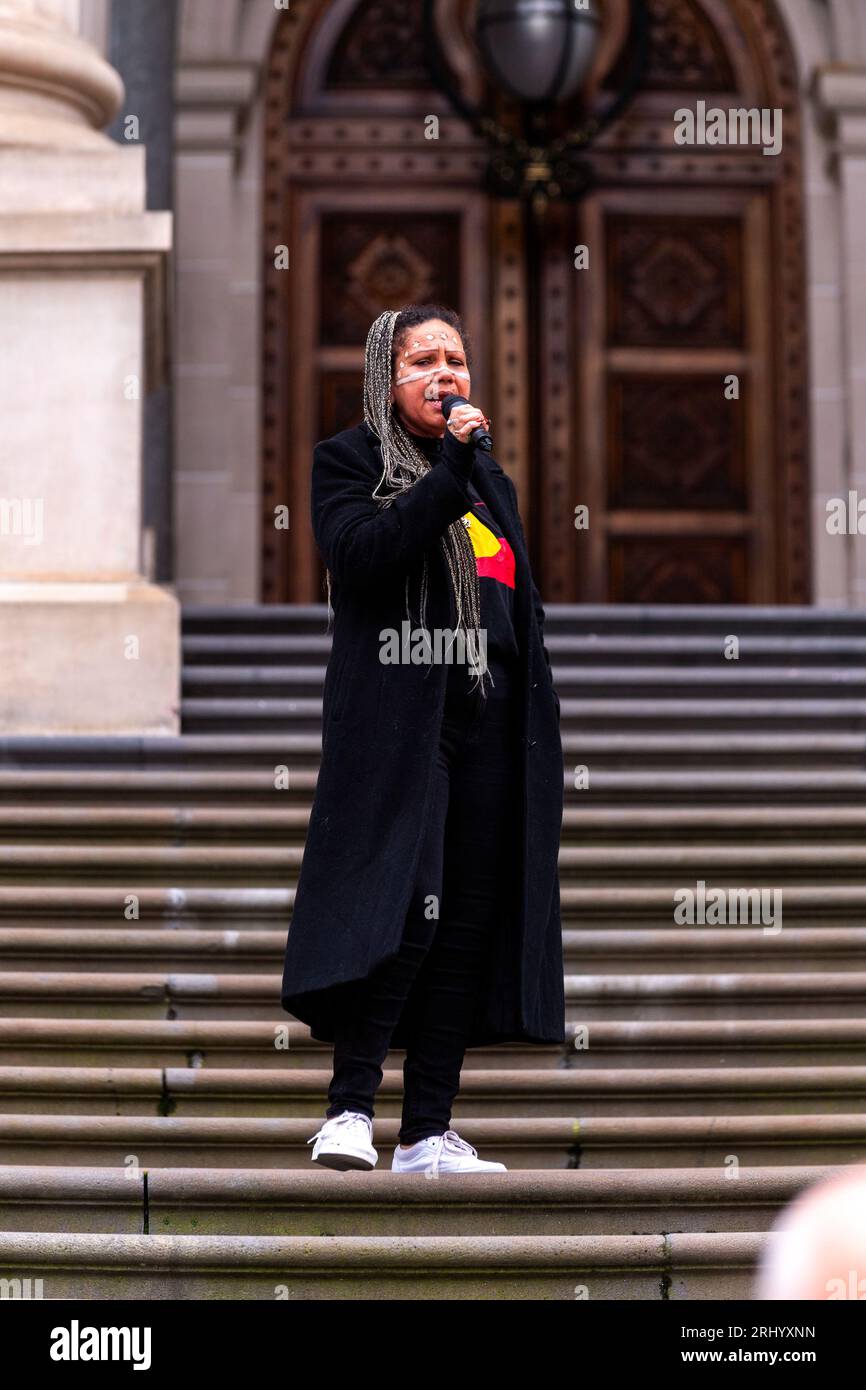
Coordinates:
x,y
493,555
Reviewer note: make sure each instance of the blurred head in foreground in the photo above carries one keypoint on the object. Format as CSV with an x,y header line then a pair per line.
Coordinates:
x,y
818,1248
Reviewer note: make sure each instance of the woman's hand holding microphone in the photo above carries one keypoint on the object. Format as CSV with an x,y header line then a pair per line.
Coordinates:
x,y
464,419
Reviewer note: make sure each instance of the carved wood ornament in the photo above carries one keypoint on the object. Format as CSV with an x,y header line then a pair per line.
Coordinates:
x,y
696,272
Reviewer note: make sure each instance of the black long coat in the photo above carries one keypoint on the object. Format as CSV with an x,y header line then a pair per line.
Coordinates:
x,y
380,738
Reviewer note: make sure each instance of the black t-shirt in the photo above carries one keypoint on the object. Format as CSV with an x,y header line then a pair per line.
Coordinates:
x,y
496,567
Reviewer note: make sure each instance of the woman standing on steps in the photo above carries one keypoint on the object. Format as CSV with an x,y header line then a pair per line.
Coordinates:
x,y
427,912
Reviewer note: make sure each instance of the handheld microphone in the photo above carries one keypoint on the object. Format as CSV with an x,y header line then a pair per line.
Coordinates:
x,y
479,437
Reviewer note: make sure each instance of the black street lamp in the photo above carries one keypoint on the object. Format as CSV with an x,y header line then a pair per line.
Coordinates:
x,y
540,52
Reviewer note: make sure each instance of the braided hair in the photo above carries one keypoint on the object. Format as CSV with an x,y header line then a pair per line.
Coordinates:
x,y
404,463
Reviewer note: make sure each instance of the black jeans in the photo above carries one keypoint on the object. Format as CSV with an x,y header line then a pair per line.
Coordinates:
x,y
464,887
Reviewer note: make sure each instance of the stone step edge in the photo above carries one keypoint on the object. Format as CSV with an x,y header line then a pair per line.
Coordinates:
x,y
251,1082
598,900
732,947
587,1133
22,1184
165,986
21,857
611,1035
35,1251
237,821
250,781
69,936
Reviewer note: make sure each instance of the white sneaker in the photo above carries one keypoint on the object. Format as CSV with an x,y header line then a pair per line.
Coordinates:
x,y
442,1153
345,1141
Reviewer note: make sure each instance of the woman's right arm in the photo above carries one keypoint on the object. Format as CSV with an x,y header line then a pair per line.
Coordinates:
x,y
360,540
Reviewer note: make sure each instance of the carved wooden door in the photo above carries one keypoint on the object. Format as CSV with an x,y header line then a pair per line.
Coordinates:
x,y
662,388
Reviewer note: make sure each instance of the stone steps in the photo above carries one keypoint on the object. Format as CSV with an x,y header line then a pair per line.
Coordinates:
x,y
711,788
269,658
273,686
536,1092
131,864
746,706
578,1142
273,1202
646,711
586,619
151,993
253,787
156,1047
262,752
249,909
128,1267
155,1042
612,951
232,824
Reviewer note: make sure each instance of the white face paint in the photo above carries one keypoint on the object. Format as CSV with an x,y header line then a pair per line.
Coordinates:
x,y
432,375
432,389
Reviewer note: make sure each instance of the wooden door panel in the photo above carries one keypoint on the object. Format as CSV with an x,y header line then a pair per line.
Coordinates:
x,y
605,386
673,281
675,474
674,444
677,570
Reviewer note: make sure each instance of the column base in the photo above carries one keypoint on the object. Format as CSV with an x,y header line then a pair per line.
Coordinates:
x,y
89,658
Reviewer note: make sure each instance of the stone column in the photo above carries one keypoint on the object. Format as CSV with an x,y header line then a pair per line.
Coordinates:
x,y
841,92
218,182
88,644
140,44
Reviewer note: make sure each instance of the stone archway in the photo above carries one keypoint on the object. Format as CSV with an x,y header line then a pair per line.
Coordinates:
x,y
733,526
